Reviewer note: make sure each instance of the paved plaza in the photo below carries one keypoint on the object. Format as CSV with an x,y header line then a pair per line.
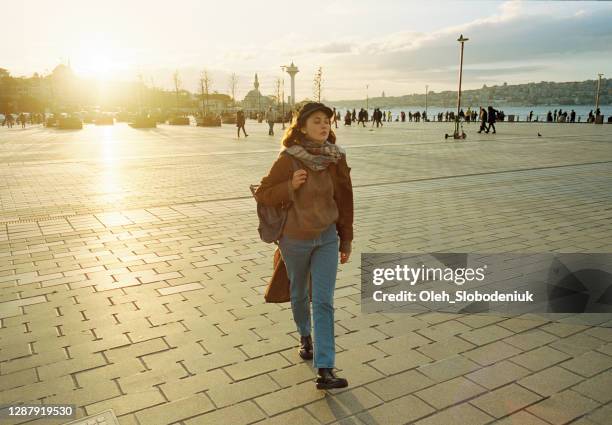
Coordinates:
x,y
132,274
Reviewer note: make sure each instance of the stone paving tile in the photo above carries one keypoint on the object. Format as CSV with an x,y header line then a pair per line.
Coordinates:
x,y
399,385
562,407
498,374
505,400
293,375
598,388
577,344
463,414
400,362
289,398
450,392
257,366
446,347
479,320
588,364
400,411
486,335
601,415
359,373
37,390
331,409
530,339
550,381
604,333
491,353
449,368
102,390
239,414
178,386
440,331
242,390
175,411
522,418
128,403
540,358
298,416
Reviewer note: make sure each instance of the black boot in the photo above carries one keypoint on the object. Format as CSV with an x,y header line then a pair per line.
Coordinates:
x,y
306,347
326,379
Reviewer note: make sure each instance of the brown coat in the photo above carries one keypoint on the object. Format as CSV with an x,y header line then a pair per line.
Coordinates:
x,y
274,190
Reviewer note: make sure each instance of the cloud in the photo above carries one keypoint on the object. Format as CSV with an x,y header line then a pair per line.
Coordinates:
x,y
512,43
334,47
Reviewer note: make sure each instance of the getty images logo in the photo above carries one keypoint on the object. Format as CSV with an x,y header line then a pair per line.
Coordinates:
x,y
412,275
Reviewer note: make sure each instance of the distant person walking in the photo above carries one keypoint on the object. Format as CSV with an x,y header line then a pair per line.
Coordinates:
x,y
361,117
491,117
335,118
530,116
573,116
354,116
549,117
347,118
270,119
483,120
377,118
240,122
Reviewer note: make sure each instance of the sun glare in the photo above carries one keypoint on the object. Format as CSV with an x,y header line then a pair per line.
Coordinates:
x,y
94,64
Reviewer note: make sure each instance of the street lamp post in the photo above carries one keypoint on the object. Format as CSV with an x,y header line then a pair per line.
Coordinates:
x,y
457,134
283,95
426,92
597,95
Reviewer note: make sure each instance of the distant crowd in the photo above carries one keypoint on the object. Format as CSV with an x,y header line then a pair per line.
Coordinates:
x,y
377,117
21,119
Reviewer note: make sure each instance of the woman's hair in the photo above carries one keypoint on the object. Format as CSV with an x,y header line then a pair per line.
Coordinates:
x,y
294,136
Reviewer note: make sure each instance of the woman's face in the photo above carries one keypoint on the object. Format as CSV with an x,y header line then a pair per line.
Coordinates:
x,y
317,127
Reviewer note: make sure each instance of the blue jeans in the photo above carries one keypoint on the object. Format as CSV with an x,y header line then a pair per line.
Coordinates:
x,y
319,258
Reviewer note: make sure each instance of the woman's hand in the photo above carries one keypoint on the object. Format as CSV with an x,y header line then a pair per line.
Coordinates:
x,y
344,257
299,177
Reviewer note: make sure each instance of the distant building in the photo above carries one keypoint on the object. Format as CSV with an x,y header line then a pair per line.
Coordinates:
x,y
255,101
216,103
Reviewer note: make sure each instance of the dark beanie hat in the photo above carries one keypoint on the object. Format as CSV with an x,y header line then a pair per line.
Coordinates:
x,y
307,109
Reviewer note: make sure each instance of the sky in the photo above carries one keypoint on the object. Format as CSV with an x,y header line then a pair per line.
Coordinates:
x,y
397,47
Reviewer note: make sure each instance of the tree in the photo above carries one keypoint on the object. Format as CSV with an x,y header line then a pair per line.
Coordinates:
x,y
205,83
277,84
318,80
233,84
177,86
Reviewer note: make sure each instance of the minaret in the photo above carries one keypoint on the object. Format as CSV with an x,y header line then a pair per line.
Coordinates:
x,y
292,70
256,85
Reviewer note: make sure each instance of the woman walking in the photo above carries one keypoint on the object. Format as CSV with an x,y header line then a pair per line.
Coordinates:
x,y
240,122
321,213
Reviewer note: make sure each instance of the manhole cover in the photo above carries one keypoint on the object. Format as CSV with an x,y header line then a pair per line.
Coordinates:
x,y
103,418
